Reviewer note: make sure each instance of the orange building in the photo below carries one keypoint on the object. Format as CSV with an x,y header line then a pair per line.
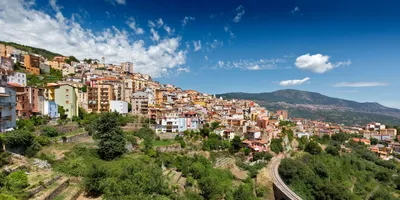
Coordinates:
x,y
32,64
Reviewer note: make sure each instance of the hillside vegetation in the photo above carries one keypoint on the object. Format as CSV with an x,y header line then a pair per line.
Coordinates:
x,y
45,53
329,174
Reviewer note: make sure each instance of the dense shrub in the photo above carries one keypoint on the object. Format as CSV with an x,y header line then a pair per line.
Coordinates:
x,y
50,131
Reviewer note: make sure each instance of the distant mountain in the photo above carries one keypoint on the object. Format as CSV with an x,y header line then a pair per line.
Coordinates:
x,y
317,106
45,53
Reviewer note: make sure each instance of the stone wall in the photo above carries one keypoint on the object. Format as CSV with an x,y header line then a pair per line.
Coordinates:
x,y
58,190
40,188
74,138
170,148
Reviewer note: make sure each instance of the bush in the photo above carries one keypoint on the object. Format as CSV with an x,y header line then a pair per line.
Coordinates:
x,y
50,131
24,140
262,155
313,148
43,140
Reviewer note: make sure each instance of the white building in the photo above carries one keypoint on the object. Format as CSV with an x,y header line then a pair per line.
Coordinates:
x,y
17,78
168,124
7,108
67,70
120,107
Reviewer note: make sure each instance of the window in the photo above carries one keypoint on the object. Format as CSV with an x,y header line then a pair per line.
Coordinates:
x,y
66,90
67,102
66,110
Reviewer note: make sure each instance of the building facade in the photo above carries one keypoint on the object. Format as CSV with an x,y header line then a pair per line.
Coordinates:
x,y
17,78
120,107
32,64
7,108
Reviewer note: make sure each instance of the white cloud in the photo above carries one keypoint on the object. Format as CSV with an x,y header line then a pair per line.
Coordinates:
x,y
294,82
169,30
22,24
262,64
159,23
239,14
343,63
215,44
231,34
197,45
186,20
132,24
317,63
183,69
255,67
155,37
151,24
121,2
360,84
295,9
221,63
206,57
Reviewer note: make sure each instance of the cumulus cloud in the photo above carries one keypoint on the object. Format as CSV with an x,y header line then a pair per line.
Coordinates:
x,y
22,24
240,12
132,24
155,37
160,22
228,30
197,45
186,20
294,82
250,64
317,63
169,30
360,84
151,24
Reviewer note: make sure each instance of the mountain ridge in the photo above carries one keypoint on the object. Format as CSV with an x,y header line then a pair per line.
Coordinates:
x,y
305,103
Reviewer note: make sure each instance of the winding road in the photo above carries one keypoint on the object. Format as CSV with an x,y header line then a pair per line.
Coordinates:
x,y
278,181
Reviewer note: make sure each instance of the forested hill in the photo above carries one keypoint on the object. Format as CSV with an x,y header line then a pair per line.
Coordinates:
x,y
318,106
45,53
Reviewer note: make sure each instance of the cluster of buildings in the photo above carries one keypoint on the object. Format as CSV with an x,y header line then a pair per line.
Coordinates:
x,y
99,87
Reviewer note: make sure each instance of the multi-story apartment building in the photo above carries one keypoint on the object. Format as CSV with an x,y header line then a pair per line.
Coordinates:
x,y
140,103
23,107
168,124
17,78
29,101
83,99
68,70
32,64
6,63
127,67
120,107
6,51
99,97
64,95
50,108
7,108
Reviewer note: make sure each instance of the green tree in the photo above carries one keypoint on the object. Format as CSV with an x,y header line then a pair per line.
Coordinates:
x,y
374,141
94,177
61,111
214,125
244,192
276,145
111,136
332,150
236,144
313,148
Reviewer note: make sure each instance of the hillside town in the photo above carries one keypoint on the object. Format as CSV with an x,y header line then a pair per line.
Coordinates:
x,y
98,87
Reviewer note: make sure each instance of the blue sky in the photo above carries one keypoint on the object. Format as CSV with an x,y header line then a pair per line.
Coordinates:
x,y
340,48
